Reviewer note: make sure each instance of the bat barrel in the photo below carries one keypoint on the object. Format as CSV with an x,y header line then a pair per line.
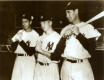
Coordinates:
x,y
96,17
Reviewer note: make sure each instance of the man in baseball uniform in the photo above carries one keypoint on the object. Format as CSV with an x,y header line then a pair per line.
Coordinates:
x,y
26,40
46,69
76,65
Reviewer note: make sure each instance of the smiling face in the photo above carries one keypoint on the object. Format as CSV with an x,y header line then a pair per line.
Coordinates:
x,y
46,25
26,23
71,15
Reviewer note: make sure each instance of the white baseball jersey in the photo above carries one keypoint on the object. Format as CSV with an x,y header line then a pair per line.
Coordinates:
x,y
74,48
24,65
49,43
47,72
30,38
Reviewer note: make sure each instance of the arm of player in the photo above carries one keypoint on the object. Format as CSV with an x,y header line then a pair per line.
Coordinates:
x,y
56,55
75,30
89,31
69,30
17,36
40,51
66,30
15,40
66,33
29,50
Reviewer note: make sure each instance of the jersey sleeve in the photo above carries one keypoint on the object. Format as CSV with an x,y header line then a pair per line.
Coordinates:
x,y
38,43
68,27
17,36
89,31
38,38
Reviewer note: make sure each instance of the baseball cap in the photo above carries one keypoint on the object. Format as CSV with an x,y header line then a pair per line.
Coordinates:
x,y
45,18
27,16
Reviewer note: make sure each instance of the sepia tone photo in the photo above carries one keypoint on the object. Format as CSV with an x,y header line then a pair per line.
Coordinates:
x,y
52,40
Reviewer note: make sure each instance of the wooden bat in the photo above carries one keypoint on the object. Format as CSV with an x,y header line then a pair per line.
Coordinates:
x,y
100,15
61,45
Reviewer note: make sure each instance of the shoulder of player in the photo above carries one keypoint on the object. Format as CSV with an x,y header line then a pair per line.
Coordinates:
x,y
57,34
20,31
69,26
34,31
86,24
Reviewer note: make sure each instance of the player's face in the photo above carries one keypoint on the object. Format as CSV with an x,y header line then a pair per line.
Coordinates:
x,y
70,14
45,25
25,23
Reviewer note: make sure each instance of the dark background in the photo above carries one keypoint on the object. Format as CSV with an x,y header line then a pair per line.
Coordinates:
x,y
10,23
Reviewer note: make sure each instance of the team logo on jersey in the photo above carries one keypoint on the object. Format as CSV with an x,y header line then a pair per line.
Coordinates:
x,y
50,45
28,43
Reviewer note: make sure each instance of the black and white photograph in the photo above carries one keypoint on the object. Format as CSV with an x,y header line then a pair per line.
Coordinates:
x,y
52,40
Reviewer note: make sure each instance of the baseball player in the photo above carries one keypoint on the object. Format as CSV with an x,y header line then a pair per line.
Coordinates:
x,y
46,69
76,65
26,40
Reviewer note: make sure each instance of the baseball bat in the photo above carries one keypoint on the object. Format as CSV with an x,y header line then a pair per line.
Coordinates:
x,y
61,45
100,15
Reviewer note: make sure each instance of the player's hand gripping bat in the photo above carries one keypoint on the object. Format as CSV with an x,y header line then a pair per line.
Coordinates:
x,y
59,49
